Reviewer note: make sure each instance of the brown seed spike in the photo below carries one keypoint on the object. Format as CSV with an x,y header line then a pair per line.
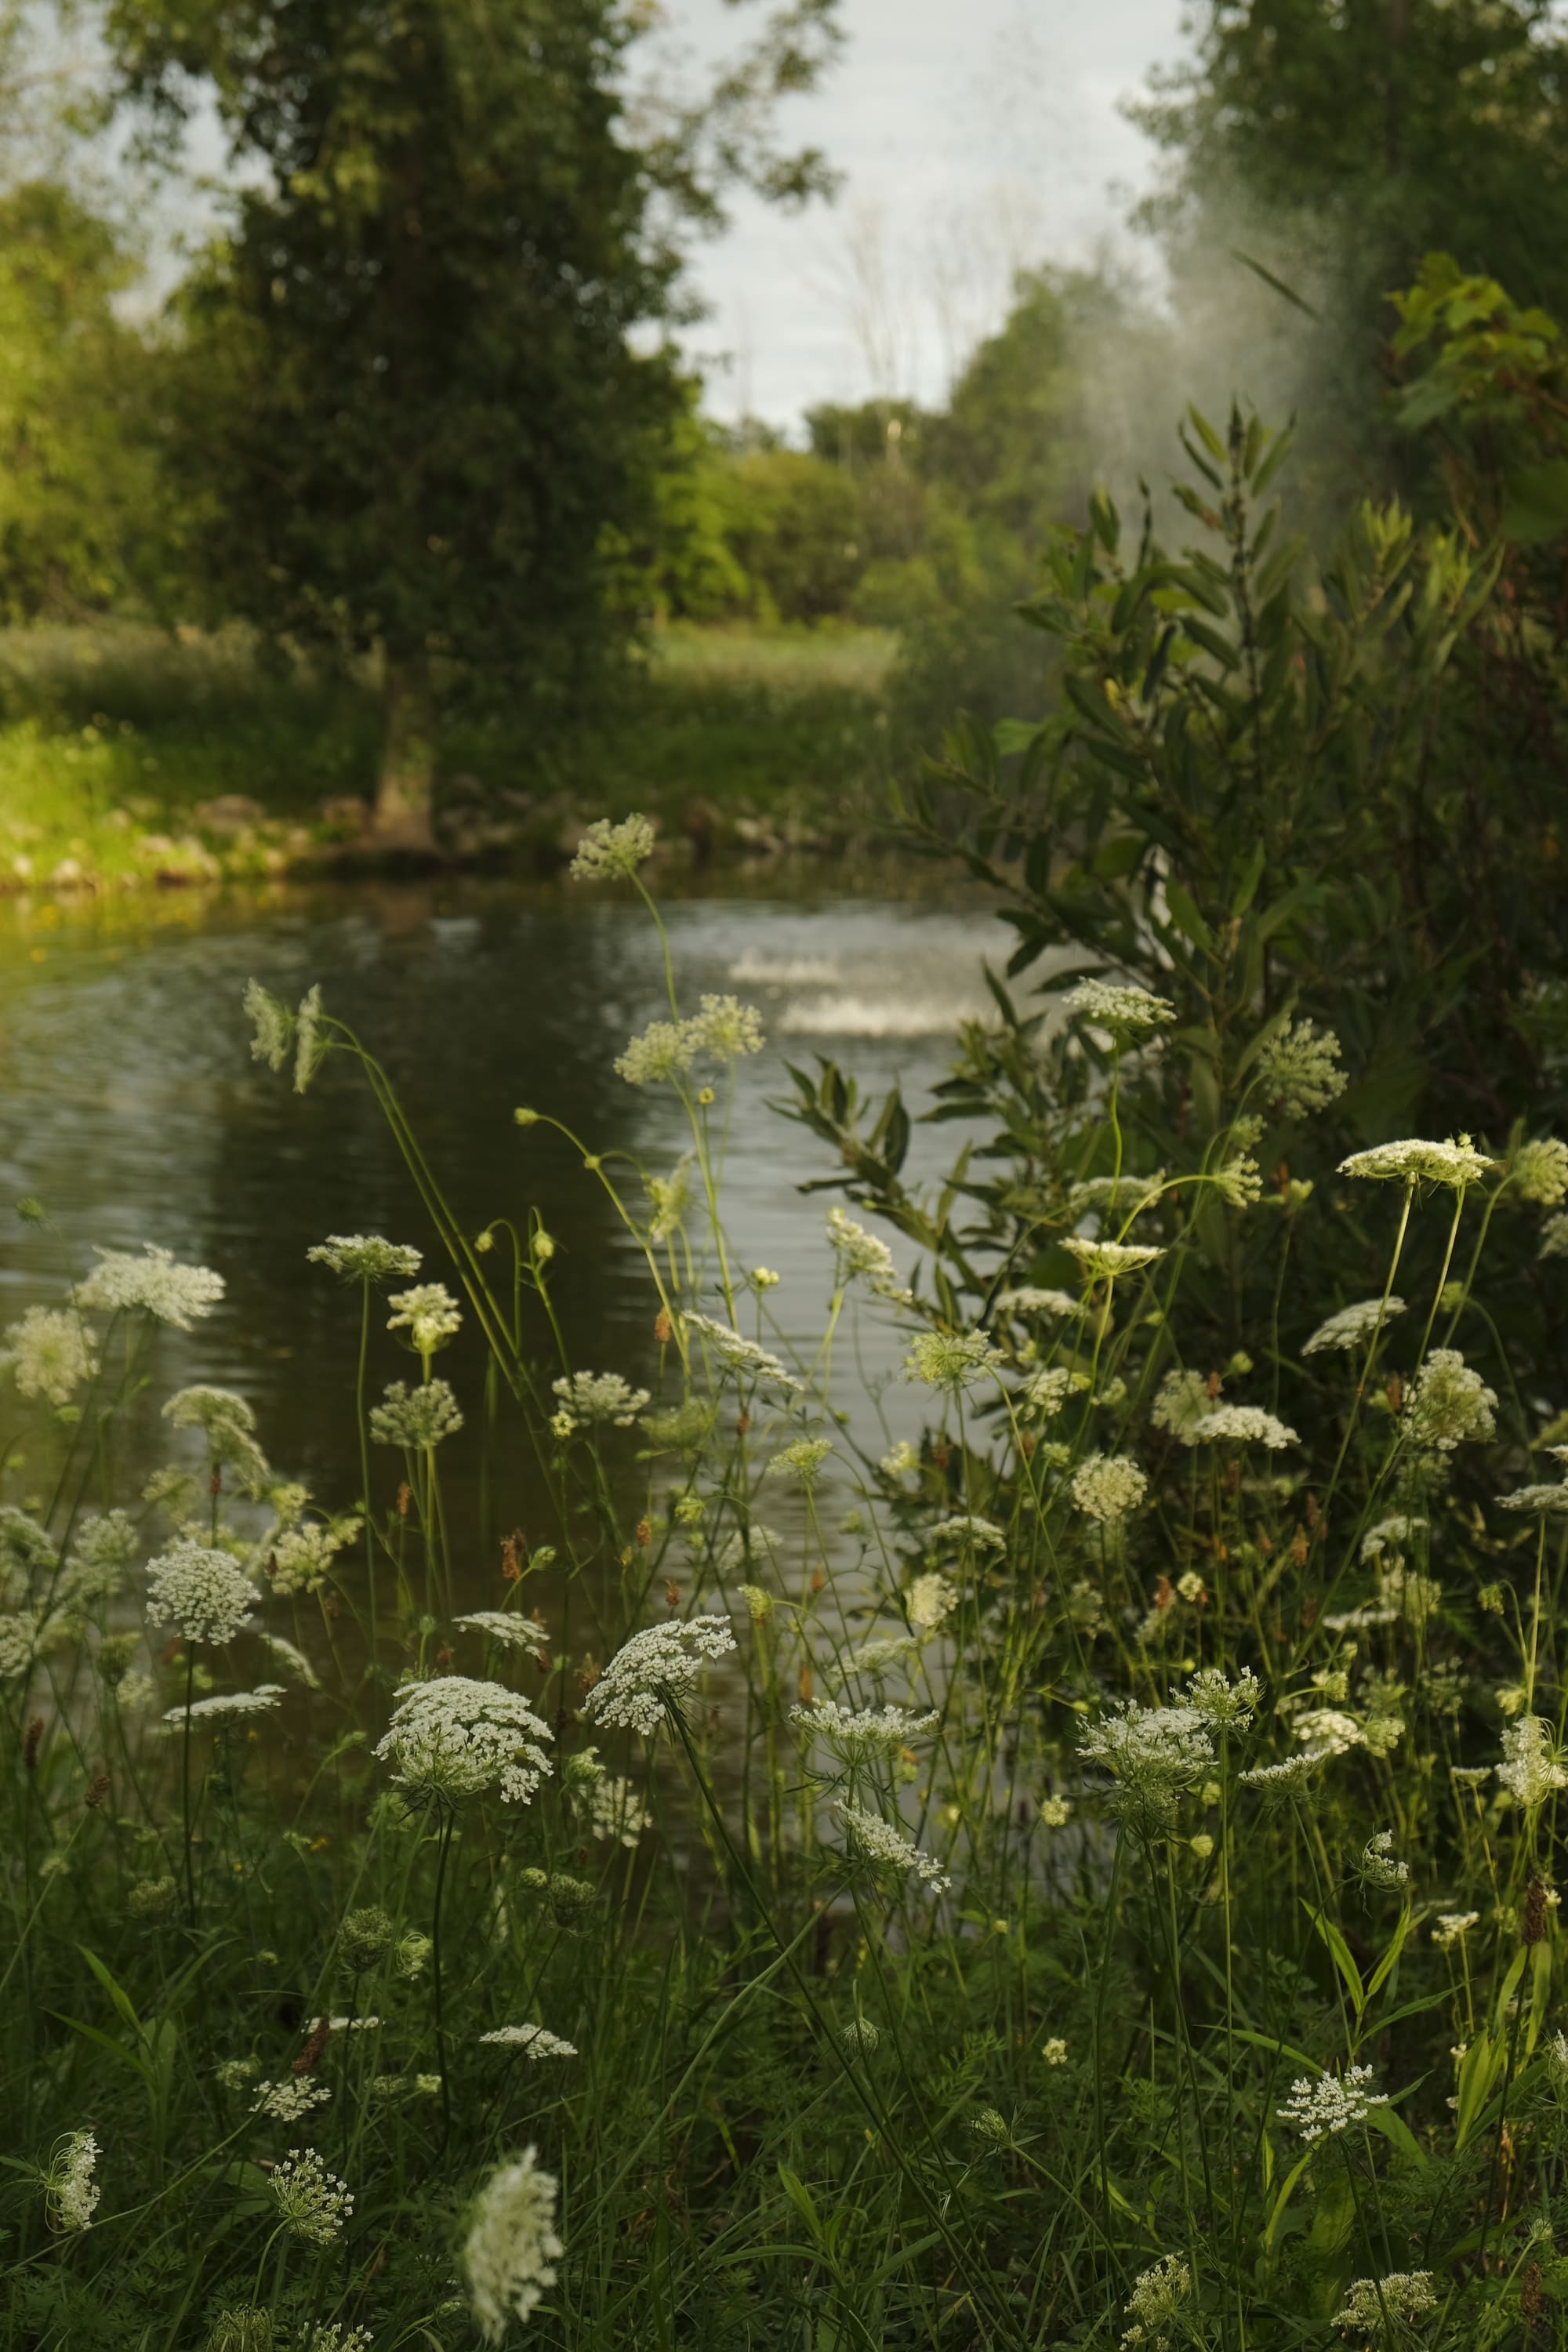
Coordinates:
x,y
311,2053
671,1593
32,1740
806,1685
97,1792
663,1328
644,1534
1533,1929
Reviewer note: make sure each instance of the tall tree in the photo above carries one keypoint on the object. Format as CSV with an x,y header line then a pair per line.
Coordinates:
x,y
436,322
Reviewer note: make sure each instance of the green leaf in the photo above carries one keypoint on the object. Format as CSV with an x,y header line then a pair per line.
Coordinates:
x,y
1341,1953
1185,916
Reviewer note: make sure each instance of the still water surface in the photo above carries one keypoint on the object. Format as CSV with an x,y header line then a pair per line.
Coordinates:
x,y
131,1108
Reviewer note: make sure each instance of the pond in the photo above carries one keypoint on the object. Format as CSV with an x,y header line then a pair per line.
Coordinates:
x,y
133,1112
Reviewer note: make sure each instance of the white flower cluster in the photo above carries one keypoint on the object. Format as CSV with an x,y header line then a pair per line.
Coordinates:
x,y
1380,1865
1412,1161
366,1257
1157,2295
289,2101
610,852
1531,1769
615,1810
1447,1403
803,1460
1180,1403
456,1738
1106,1261
418,1417
1030,1300
511,2244
1546,1501
885,1848
1331,2104
655,1670
71,2192
723,1031
860,1253
968,1528
1539,1171
228,1425
1298,1070
1453,1927
1372,2306
1107,1485
51,1354
104,1547
857,1734
952,1361
300,1559
536,2041
1152,1750
1352,1325
203,1592
155,1284
311,2201
428,1312
1247,1423
1228,1705
1126,1195
229,1707
740,1356
588,1397
503,1625
929,1599
1120,1007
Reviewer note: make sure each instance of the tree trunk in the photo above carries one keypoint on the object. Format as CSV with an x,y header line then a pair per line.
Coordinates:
x,y
403,793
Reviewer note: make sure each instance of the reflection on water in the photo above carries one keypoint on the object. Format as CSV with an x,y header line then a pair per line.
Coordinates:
x,y
133,1108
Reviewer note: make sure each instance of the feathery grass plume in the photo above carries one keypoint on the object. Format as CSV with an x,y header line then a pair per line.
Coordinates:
x,y
1107,1261
655,1670
456,1737
1532,1767
951,1361
743,1357
1447,1403
155,1284
229,1707
289,2101
71,2193
611,853
1107,1485
366,1257
511,2244
416,1417
1352,1325
590,1397
50,1354
1157,2295
1383,2308
1119,1007
881,1847
1412,1161
855,1735
228,1425
310,1046
428,1312
311,2201
1321,2109
1298,1070
272,1023
535,2042
1248,1425
203,1592
860,1254
504,1625
1539,1171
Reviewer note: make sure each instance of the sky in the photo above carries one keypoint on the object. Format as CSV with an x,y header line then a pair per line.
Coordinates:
x,y
973,137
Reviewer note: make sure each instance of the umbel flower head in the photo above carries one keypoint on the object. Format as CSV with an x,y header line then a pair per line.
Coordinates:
x,y
1155,1753
588,1397
428,1312
1373,2307
70,2192
155,1284
725,1030
366,1257
511,2244
1447,1403
311,2201
1248,1425
203,1592
1299,1070
1107,1485
418,1417
950,1360
1106,1261
1331,2104
655,1670
1181,1402
456,1737
1352,1324
535,2042
740,1356
228,1425
229,1707
1539,1171
610,852
858,1253
1546,1501
50,1352
1531,1769
883,1847
1454,1163
855,1735
1120,1007
1157,2295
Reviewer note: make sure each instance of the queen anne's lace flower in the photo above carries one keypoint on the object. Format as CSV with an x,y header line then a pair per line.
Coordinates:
x,y
1157,2295
536,2041
1105,1261
1447,1403
1124,1197
229,1707
1452,1927
1329,1731
366,1257
311,2201
1183,1400
1372,2306
203,1592
104,1547
609,853
589,1397
228,1425
272,1023
1546,1501
511,2244
428,1312
1107,1485
1298,1070
1380,1865
1230,1705
417,1417
858,1734
656,1669
970,1531
1539,1171
289,2101
155,1284
1120,1007
739,1355
1247,1423
615,1810
456,1738
1029,1300
803,1460
300,1559
878,1842
723,1031
1331,2104
931,1597
952,1361
1352,1325
1154,1751
505,1626
860,1253
1531,1769
70,2192
50,1352
1415,1162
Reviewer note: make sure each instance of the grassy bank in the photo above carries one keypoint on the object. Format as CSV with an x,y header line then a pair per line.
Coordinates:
x,y
130,757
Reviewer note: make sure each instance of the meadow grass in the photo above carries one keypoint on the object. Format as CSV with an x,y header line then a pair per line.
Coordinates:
x,y
1083,1879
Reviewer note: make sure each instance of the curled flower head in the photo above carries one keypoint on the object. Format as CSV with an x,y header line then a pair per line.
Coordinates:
x,y
512,2245
311,2201
1120,1007
656,1670
50,1353
205,1593
155,1284
1448,1403
883,1847
1453,1163
1106,1261
428,1312
611,853
1352,1324
1539,1171
1531,1769
950,1360
1153,1752
1229,1705
743,1357
1107,1485
417,1417
366,1257
1330,2105
1298,1070
228,1425
456,1737
272,1025
589,1397
71,2192
1380,1865
860,1254
803,1460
